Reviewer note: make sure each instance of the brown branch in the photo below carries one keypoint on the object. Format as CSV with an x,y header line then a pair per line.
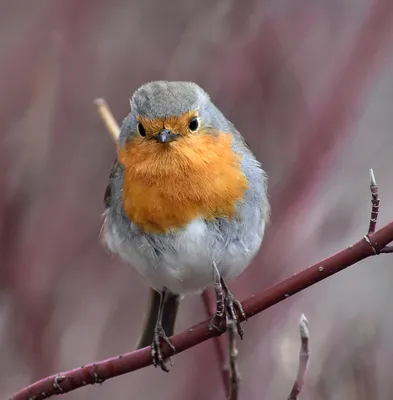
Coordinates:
x,y
116,366
304,356
232,353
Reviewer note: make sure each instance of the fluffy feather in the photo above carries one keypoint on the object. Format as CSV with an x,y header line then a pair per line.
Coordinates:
x,y
166,187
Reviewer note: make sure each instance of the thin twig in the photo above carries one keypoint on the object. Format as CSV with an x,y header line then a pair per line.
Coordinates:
x,y
304,356
387,249
375,212
374,203
138,359
107,117
232,353
219,345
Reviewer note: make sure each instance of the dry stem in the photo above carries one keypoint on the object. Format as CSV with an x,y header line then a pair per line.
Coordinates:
x,y
304,356
232,353
375,211
107,117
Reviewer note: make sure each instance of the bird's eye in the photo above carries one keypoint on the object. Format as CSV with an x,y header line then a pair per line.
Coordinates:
x,y
193,125
141,129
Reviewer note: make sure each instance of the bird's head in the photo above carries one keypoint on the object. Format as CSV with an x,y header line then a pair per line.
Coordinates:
x,y
176,150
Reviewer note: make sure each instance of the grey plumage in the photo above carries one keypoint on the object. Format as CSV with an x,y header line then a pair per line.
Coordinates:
x,y
163,99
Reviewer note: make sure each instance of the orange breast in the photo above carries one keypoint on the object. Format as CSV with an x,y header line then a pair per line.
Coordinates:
x,y
165,187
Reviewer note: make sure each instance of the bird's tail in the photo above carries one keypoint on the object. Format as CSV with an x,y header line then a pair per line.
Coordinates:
x,y
168,317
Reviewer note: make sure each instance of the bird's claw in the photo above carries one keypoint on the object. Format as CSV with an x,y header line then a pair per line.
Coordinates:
x,y
156,352
216,323
233,310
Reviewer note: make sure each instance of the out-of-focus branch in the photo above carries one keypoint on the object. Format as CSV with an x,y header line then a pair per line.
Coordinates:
x,y
304,356
336,110
116,366
218,343
107,117
232,353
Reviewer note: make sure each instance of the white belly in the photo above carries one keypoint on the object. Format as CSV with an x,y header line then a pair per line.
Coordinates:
x,y
184,262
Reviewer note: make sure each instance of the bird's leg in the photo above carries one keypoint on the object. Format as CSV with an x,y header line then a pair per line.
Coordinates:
x,y
217,320
233,309
159,334
227,307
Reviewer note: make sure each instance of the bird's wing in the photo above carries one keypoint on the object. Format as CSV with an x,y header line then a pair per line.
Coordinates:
x,y
108,190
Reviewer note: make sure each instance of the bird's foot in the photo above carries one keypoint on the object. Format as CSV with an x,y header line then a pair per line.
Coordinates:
x,y
156,351
233,311
227,307
218,323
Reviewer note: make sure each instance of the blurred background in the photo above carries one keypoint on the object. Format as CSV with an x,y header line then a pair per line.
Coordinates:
x,y
310,86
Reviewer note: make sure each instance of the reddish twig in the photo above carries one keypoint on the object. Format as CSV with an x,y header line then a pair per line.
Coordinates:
x,y
387,249
232,354
304,356
99,372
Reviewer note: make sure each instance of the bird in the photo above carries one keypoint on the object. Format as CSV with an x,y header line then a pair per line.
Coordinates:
x,y
186,205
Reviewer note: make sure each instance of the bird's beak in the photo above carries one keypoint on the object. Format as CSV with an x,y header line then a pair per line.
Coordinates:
x,y
166,136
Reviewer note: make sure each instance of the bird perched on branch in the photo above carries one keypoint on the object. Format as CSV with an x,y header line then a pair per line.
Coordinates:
x,y
186,204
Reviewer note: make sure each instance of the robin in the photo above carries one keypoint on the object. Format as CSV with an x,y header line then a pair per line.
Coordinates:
x,y
186,204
